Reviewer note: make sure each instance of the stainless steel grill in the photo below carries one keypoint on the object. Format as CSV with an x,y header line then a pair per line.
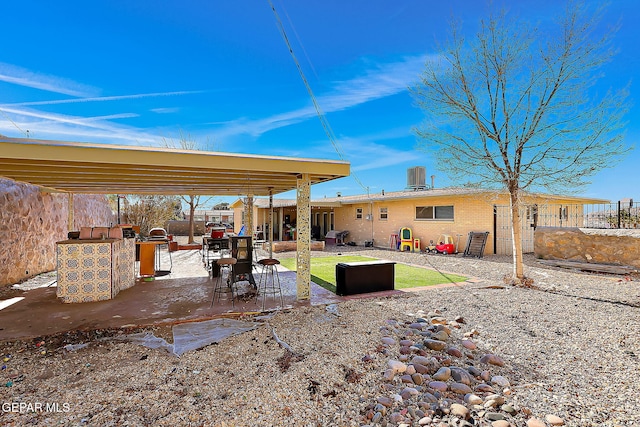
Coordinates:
x,y
158,234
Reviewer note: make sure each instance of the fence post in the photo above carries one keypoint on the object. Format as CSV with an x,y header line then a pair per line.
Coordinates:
x,y
618,214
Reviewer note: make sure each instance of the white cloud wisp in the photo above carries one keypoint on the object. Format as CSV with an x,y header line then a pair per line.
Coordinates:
x,y
23,77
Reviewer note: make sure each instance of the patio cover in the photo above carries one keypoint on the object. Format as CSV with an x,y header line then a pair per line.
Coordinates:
x,y
114,169
71,168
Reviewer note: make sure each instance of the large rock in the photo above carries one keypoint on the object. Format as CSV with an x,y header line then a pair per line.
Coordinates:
x,y
460,388
492,359
443,374
435,344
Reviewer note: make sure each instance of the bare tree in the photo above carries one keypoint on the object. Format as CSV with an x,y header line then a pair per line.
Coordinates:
x,y
193,201
517,109
149,211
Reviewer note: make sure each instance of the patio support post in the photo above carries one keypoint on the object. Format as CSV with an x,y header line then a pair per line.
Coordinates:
x,y
303,245
271,228
262,219
249,215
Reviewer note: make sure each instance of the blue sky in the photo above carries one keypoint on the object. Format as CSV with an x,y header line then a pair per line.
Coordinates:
x,y
140,72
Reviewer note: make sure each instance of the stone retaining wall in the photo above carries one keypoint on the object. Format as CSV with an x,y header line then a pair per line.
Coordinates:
x,y
619,247
32,221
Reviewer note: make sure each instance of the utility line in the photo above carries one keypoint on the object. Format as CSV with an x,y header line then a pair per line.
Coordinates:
x,y
26,133
295,33
321,116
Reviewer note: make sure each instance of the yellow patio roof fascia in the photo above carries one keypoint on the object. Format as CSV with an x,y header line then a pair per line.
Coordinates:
x,y
109,169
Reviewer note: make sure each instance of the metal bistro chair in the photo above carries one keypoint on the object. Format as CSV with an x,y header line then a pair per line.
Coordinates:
x,y
215,248
226,279
265,288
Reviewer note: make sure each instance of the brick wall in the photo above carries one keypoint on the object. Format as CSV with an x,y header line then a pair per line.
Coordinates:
x,y
32,221
470,214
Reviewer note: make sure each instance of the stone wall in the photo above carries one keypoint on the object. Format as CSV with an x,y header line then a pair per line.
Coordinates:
x,y
32,221
618,247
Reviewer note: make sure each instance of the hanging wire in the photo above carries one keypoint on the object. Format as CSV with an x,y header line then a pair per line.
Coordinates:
x,y
26,133
295,33
316,105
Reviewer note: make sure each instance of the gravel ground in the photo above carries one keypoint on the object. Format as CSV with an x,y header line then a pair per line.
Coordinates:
x,y
565,351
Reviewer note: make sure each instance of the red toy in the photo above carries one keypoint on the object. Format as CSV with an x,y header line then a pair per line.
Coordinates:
x,y
444,246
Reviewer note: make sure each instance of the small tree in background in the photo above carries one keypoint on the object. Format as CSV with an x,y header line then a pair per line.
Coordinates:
x,y
150,211
193,201
516,109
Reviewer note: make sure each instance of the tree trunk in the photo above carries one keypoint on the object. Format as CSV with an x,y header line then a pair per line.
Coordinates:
x,y
516,234
192,224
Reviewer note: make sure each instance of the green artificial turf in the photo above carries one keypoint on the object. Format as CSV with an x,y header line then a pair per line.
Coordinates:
x,y
323,272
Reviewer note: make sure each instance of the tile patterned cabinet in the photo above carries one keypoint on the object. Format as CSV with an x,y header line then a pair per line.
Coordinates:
x,y
94,270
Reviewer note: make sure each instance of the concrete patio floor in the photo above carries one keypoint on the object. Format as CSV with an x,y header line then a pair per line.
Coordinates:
x,y
184,295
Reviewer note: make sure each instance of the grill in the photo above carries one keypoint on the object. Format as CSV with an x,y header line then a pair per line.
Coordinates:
x,y
158,234
335,237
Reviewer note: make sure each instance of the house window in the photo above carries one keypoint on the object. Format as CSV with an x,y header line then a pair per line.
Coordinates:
x,y
384,214
434,212
358,213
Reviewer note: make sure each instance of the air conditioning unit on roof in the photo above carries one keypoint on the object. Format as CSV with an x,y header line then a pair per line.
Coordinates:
x,y
416,178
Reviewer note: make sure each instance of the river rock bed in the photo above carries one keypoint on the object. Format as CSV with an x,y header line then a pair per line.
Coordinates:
x,y
436,379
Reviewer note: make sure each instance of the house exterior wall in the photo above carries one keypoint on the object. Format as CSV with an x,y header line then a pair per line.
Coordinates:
x,y
282,216
470,214
237,219
260,218
322,221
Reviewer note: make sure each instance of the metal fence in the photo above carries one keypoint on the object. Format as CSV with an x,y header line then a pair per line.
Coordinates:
x,y
624,214
620,215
